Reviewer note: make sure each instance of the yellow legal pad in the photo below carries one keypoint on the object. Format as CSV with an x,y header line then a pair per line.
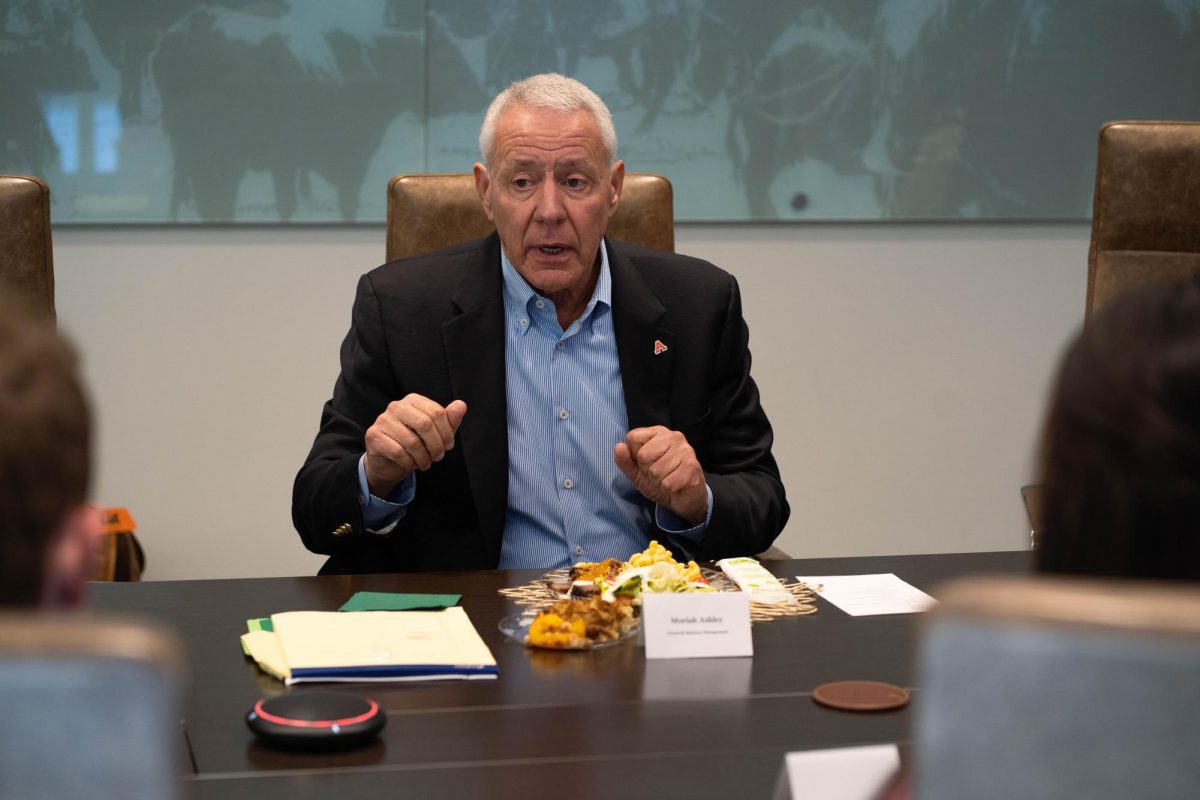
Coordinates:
x,y
312,646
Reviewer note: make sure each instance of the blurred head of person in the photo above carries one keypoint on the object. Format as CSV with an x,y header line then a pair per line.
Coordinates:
x,y
47,531
1121,445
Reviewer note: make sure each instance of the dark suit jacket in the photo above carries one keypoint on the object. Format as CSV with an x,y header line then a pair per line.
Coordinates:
x,y
434,325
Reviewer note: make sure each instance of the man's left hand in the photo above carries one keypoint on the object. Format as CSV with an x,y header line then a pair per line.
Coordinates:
x,y
663,467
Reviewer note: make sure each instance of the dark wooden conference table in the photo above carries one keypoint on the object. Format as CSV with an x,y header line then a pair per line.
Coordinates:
x,y
606,723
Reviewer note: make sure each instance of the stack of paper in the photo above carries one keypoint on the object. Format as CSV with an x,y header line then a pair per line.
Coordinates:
x,y
370,646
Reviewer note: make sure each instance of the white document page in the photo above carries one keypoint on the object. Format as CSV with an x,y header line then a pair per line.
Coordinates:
x,y
864,595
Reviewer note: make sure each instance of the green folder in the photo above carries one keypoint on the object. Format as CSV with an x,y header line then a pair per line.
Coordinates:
x,y
385,601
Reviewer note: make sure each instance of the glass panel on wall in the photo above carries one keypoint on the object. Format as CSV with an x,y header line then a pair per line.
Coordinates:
x,y
177,111
166,111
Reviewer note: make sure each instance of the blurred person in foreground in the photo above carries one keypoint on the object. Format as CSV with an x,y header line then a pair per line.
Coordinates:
x,y
1121,445
48,532
547,394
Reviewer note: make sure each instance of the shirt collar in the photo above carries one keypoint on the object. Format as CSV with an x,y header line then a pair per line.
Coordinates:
x,y
518,294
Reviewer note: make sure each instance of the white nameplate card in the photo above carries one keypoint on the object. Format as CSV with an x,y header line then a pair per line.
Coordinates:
x,y
844,773
696,624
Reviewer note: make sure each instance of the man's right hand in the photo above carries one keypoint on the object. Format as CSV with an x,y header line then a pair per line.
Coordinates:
x,y
410,435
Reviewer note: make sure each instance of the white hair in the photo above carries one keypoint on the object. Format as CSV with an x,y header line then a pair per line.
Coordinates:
x,y
554,91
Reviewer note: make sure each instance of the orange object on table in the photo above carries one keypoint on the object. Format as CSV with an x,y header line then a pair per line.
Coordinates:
x,y
117,520
119,555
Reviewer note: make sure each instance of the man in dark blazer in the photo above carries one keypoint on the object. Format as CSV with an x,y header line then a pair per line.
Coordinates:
x,y
440,387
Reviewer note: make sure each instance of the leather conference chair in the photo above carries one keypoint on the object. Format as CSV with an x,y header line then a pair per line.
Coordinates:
x,y
1032,497
1146,209
26,258
1049,688
91,708
429,212
1145,220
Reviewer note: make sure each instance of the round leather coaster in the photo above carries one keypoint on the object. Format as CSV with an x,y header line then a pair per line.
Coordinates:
x,y
861,696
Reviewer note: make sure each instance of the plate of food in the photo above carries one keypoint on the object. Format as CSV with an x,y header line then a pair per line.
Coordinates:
x,y
574,624
653,570
582,580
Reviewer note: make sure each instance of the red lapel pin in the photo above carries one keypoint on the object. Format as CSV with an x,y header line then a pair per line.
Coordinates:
x,y
659,347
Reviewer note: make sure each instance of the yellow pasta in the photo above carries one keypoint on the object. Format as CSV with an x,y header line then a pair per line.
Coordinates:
x,y
654,554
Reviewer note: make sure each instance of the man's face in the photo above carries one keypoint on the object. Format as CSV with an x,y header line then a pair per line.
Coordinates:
x,y
550,192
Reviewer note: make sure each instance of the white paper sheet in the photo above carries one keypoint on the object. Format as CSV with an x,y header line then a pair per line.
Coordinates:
x,y
865,595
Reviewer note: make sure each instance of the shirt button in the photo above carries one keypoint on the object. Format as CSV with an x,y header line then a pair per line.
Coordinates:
x,y
568,483
561,345
524,322
578,549
563,413
540,303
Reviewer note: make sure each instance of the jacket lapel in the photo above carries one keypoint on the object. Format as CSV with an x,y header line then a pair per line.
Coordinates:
x,y
474,343
645,350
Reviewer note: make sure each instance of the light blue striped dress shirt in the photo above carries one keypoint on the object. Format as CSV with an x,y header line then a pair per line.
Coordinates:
x,y
568,501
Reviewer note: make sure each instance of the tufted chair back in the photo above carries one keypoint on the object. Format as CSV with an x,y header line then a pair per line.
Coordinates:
x,y
1049,688
1146,210
26,259
429,212
91,708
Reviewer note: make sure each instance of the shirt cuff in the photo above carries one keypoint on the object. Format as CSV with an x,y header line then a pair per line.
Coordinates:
x,y
678,529
379,515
